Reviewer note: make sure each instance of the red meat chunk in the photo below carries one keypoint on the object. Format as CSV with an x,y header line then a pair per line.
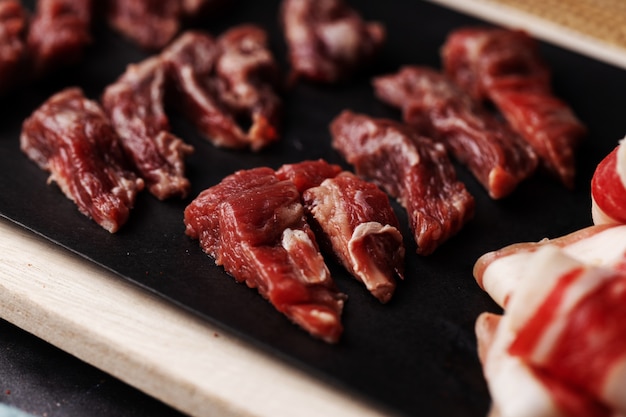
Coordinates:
x,y
13,26
227,84
134,104
328,40
58,34
412,168
497,156
71,137
358,223
253,224
504,67
308,174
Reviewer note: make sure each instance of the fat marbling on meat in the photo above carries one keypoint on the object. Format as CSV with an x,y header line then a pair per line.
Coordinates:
x,y
431,103
412,168
71,137
254,225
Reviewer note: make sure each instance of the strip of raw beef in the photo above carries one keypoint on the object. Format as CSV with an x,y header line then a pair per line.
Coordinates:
x,y
308,174
608,188
356,219
518,389
59,33
328,40
412,168
504,67
71,137
500,272
219,83
253,224
498,157
13,27
151,24
134,103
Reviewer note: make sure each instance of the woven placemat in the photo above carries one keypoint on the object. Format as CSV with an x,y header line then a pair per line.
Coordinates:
x,y
596,28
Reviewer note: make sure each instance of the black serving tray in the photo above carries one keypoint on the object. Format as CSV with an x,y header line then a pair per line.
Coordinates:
x,y
417,354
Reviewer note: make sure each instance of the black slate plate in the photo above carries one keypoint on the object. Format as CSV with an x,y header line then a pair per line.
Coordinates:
x,y
415,355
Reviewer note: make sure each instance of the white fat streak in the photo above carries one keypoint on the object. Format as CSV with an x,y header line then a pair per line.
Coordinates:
x,y
605,248
291,240
621,162
395,138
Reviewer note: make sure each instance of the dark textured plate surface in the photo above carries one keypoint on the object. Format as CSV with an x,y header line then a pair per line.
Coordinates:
x,y
415,355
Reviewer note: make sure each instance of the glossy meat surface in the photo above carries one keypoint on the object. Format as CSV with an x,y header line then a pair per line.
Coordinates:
x,y
437,108
308,174
328,40
253,224
412,168
71,137
504,67
358,223
135,105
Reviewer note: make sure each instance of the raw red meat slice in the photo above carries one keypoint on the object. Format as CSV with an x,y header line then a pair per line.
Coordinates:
x,y
71,137
412,168
308,174
134,104
151,24
608,188
13,27
437,108
219,83
358,223
253,224
59,32
328,40
504,67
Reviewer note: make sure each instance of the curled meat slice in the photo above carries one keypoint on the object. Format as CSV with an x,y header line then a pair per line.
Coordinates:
x,y
13,27
221,82
437,108
71,137
134,104
328,40
59,32
504,67
151,24
500,272
412,168
253,224
356,219
608,188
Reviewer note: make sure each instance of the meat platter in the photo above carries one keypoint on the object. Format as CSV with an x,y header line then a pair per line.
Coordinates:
x,y
415,355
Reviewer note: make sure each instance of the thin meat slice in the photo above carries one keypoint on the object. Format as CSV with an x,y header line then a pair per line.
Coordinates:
x,y
608,188
328,40
430,102
356,219
71,137
504,67
13,27
253,224
59,33
151,24
134,104
222,82
412,168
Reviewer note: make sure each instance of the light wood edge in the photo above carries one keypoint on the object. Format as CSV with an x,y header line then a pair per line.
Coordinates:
x,y
149,343
546,30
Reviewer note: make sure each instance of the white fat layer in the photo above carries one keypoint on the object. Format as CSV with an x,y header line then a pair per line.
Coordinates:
x,y
605,248
514,389
503,275
621,162
316,271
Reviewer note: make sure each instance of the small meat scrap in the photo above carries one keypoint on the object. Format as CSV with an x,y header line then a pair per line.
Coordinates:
x,y
135,105
13,27
151,24
225,85
328,40
254,225
430,102
358,221
504,67
71,137
59,33
412,168
608,188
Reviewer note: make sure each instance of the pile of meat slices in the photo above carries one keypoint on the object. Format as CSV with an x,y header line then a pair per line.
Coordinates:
x,y
559,349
